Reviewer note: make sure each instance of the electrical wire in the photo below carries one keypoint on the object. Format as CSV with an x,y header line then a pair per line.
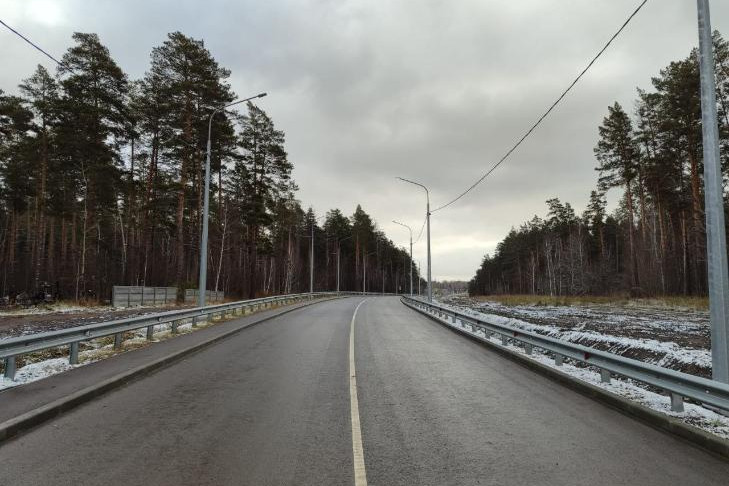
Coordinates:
x,y
62,64
421,230
546,113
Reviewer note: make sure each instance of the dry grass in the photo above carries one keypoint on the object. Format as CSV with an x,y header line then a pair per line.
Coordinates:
x,y
687,302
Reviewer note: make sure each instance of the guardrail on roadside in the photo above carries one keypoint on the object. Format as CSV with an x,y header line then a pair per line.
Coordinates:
x,y
677,384
71,337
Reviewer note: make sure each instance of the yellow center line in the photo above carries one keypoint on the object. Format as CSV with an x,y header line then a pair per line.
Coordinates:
x,y
360,475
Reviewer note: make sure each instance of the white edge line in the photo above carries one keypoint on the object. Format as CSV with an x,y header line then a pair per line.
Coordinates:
x,y
360,475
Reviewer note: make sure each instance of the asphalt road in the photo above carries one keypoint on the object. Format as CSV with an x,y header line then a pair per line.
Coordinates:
x,y
271,405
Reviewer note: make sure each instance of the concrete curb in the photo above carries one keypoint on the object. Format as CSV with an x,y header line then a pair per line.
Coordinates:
x,y
13,427
655,419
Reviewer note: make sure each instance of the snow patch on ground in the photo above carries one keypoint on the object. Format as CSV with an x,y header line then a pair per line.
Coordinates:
x,y
97,350
35,371
618,332
46,309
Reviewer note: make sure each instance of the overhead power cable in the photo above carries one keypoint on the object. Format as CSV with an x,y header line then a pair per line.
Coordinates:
x,y
422,227
546,113
36,46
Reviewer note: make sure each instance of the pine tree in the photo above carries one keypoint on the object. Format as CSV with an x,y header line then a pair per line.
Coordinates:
x,y
618,155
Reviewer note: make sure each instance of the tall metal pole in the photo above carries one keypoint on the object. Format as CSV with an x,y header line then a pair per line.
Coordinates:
x,y
202,282
364,274
427,218
714,200
430,282
311,261
411,265
339,252
419,277
411,254
202,287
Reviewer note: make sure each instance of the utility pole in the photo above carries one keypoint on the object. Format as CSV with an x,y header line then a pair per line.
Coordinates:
x,y
714,201
311,261
202,282
364,271
411,256
339,253
427,220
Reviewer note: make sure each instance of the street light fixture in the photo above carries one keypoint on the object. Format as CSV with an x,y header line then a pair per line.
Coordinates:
x,y
427,219
311,254
364,271
338,256
202,284
411,253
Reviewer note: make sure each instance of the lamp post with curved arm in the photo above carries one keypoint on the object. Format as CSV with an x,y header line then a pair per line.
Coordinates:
x,y
338,256
364,271
202,284
427,219
411,253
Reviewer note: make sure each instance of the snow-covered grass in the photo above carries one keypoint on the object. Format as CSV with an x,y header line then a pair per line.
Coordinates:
x,y
669,301
676,338
38,366
55,308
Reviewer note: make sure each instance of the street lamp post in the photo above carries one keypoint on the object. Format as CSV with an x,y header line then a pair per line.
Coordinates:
x,y
364,271
339,242
427,220
202,284
714,202
411,254
311,254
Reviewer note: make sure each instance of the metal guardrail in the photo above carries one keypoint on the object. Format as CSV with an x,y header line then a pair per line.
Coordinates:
x,y
678,385
71,337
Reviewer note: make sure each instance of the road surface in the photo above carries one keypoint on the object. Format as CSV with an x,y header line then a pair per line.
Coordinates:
x,y
273,405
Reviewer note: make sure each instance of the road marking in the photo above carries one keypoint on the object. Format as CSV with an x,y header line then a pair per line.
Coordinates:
x,y
360,475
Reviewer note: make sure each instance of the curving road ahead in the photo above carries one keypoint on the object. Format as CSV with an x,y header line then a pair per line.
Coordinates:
x,y
274,405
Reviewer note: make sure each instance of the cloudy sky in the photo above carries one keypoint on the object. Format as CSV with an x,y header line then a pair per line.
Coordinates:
x,y
433,90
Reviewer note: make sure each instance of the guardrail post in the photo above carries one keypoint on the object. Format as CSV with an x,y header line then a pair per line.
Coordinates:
x,y
150,332
676,402
117,340
604,375
174,326
504,340
73,353
558,359
528,348
10,368
454,319
194,321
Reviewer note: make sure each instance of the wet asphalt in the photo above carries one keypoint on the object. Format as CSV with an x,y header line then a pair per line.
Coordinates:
x,y
270,406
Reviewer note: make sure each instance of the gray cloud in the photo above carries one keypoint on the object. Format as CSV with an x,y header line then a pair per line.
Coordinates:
x,y
433,90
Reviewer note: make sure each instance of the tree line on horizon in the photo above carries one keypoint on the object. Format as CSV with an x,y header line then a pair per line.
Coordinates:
x,y
101,184
654,243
